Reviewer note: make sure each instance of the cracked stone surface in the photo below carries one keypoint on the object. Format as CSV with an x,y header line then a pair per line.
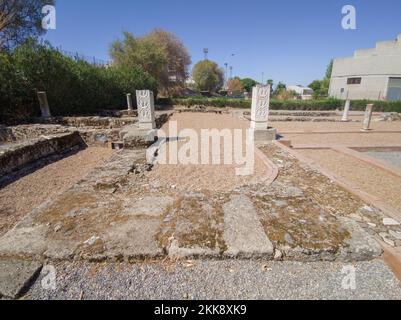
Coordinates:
x,y
119,212
243,232
15,276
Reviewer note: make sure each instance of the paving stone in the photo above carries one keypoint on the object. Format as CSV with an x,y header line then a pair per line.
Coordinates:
x,y
243,233
361,245
15,276
133,239
152,206
395,234
390,222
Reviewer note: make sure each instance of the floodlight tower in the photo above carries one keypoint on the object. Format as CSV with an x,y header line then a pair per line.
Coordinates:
x,y
206,52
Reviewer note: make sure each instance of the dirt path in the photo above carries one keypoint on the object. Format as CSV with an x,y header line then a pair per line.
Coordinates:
x,y
20,197
198,177
334,126
368,178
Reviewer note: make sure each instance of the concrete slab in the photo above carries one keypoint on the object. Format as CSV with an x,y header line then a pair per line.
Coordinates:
x,y
361,245
243,232
151,206
16,275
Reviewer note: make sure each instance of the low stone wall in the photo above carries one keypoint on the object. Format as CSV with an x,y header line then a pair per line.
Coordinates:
x,y
29,131
94,122
15,156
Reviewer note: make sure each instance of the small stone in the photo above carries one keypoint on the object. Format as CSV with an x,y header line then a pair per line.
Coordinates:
x,y
91,241
288,238
390,222
385,238
367,208
372,225
395,234
265,267
293,192
278,255
356,217
57,228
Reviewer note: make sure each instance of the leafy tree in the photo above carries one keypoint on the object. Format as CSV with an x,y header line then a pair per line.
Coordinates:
x,y
140,53
235,86
280,88
321,87
73,86
329,70
19,20
208,76
248,84
172,79
271,82
161,54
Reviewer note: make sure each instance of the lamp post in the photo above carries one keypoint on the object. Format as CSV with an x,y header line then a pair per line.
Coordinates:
x,y
206,52
226,75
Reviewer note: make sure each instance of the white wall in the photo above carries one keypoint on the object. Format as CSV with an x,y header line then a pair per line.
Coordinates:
x,y
374,66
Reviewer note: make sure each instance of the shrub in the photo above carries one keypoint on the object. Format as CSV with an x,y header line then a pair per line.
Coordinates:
x,y
307,105
73,86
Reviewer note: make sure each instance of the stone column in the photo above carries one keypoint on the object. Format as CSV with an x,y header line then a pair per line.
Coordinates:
x,y
44,104
146,110
368,117
129,102
260,113
346,111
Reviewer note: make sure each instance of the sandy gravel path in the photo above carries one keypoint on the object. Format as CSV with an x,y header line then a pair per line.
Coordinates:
x,y
368,178
20,197
345,139
334,126
220,177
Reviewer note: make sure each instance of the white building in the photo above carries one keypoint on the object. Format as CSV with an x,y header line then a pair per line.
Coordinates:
x,y
304,93
373,74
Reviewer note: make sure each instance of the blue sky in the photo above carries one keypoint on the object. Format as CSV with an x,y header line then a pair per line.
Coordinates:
x,y
290,41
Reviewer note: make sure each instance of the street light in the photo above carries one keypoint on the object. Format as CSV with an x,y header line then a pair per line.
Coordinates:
x,y
206,52
226,75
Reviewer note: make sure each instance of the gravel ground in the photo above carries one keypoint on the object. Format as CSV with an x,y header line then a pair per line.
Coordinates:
x,y
220,177
27,192
335,126
368,178
393,158
346,139
230,279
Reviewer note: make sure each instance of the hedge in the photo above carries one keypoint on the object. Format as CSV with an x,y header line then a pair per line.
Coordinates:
x,y
73,86
308,105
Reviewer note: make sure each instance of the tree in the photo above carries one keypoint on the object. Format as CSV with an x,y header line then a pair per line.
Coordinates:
x,y
271,82
329,70
248,84
19,20
161,54
321,87
235,86
172,79
208,76
280,88
133,52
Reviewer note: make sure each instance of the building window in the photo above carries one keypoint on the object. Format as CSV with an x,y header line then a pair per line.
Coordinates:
x,y
354,80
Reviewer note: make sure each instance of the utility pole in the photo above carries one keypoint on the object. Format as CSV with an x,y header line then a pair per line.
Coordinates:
x,y
226,76
206,52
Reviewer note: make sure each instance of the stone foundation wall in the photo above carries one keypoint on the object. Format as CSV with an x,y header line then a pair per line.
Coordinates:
x,y
94,122
15,156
